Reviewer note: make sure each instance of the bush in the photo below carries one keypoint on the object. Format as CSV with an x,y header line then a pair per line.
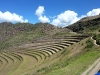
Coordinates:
x,y
98,42
99,30
89,43
97,38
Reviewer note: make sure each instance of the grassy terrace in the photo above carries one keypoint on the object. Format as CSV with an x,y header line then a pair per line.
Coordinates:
x,y
31,59
77,65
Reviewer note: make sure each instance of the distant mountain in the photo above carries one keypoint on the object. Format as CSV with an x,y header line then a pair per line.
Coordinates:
x,y
86,24
19,33
44,27
9,29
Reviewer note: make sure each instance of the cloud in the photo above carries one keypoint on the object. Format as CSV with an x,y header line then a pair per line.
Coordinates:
x,y
91,13
44,19
69,17
39,12
11,17
66,18
94,12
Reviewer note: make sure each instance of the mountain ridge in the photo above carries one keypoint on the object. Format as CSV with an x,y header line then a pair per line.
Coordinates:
x,y
86,24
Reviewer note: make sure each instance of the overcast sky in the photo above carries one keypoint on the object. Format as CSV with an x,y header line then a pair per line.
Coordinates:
x,y
58,12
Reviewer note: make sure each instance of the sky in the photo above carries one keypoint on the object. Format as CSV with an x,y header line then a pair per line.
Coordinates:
x,y
57,12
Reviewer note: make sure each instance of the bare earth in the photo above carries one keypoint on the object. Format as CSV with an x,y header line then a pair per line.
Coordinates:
x,y
94,41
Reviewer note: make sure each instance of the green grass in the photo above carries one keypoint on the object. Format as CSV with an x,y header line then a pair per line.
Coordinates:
x,y
77,66
19,39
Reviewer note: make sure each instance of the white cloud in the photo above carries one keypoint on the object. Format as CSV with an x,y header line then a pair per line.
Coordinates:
x,y
69,17
44,19
65,18
11,17
94,12
39,12
91,13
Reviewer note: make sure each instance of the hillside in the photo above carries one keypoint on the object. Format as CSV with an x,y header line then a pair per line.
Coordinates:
x,y
19,33
87,24
90,18
43,49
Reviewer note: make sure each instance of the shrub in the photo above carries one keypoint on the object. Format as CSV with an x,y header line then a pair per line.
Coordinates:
x,y
99,30
95,36
89,43
98,42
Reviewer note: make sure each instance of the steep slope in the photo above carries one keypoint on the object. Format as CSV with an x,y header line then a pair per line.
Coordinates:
x,y
86,24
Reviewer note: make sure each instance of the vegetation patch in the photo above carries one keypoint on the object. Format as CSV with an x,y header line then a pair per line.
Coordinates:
x,y
89,43
78,65
97,38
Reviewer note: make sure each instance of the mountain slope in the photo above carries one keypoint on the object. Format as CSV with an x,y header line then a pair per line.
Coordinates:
x,y
13,35
19,33
86,24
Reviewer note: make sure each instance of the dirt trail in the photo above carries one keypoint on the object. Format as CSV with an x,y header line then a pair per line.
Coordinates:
x,y
93,69
94,41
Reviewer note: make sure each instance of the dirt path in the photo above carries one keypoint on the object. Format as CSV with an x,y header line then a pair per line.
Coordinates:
x,y
94,41
93,69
